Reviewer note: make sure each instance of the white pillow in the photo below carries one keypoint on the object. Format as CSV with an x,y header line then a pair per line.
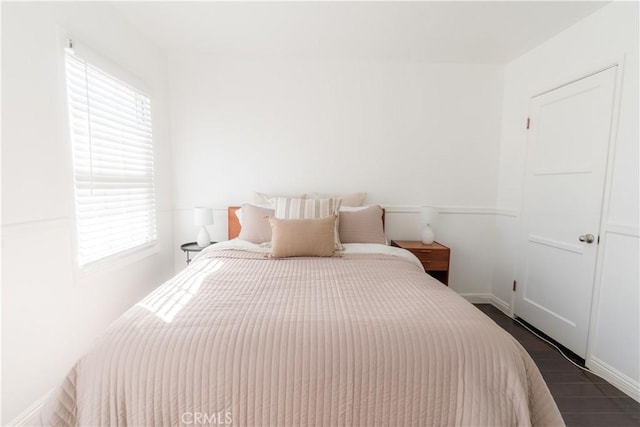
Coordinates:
x,y
265,199
353,208
351,199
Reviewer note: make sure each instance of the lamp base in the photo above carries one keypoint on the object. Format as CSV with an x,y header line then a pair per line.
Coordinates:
x,y
204,239
427,235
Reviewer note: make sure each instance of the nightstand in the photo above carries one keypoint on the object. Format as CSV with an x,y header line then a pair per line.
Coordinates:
x,y
434,257
191,247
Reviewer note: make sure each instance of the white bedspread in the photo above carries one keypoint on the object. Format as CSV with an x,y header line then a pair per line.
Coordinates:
x,y
364,338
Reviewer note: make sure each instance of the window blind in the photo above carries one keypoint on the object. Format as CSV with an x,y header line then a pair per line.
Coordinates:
x,y
110,125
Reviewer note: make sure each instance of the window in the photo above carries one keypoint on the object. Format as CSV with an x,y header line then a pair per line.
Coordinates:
x,y
110,123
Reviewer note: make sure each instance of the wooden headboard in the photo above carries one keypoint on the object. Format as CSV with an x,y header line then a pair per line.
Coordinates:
x,y
234,224
233,228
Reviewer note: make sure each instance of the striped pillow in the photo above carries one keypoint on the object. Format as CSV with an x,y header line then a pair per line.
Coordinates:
x,y
286,208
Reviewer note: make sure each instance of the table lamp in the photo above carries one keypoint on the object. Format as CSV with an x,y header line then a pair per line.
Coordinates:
x,y
428,215
203,216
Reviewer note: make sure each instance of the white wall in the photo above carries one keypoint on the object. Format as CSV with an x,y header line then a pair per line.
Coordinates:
x,y
408,133
49,316
600,39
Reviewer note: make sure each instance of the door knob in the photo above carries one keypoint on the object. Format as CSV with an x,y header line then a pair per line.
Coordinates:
x,y
588,238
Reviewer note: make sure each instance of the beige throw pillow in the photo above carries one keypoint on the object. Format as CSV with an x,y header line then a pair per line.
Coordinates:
x,y
362,226
302,237
308,208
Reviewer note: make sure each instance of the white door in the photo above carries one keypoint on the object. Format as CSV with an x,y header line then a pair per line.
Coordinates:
x,y
563,191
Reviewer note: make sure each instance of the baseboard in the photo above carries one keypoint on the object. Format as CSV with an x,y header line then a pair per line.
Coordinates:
x,y
477,298
26,417
501,305
621,381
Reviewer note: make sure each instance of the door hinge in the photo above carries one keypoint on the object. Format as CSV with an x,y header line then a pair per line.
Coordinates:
x,y
515,285
528,122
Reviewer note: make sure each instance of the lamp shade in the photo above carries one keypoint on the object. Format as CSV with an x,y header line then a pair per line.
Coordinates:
x,y
428,214
202,216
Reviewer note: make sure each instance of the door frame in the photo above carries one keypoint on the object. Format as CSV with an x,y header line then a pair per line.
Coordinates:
x,y
617,61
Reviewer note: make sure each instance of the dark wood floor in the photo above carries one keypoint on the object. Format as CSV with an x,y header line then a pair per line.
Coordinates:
x,y
583,398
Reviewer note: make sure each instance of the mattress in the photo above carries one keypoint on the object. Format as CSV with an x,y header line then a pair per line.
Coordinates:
x,y
363,338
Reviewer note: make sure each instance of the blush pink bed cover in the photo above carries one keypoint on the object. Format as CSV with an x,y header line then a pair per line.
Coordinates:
x,y
354,340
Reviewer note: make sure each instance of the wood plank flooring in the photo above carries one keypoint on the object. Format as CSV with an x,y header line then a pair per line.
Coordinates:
x,y
584,399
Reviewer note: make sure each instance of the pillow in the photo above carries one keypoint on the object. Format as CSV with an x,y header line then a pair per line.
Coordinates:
x,y
288,208
254,225
353,208
265,199
308,209
362,226
353,199
238,211
302,237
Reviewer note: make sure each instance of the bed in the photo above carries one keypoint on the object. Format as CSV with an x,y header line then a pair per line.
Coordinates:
x,y
362,338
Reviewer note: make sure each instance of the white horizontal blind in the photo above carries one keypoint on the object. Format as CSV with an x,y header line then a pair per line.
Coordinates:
x,y
113,162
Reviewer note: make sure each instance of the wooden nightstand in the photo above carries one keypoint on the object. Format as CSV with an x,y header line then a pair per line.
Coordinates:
x,y
434,257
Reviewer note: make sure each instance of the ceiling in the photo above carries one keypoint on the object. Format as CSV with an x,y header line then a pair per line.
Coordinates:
x,y
469,32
